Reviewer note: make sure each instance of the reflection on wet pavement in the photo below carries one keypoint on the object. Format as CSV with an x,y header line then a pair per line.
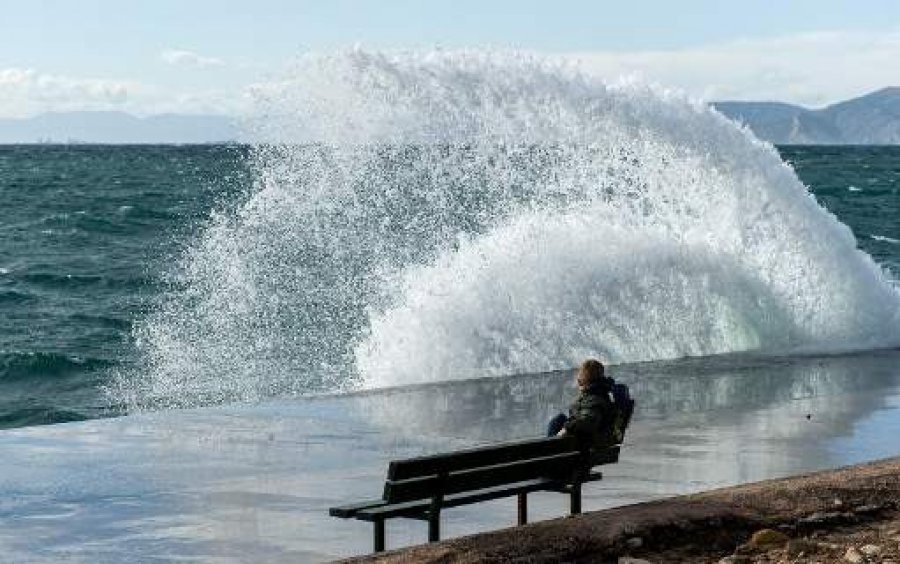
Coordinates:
x,y
255,482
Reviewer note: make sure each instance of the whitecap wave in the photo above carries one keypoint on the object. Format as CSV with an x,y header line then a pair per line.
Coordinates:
x,y
421,217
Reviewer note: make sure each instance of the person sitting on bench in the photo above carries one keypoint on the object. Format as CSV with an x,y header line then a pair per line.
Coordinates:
x,y
591,415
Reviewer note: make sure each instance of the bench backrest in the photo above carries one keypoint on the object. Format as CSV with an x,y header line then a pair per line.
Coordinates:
x,y
478,468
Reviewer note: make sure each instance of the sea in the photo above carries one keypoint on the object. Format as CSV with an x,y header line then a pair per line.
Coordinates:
x,y
90,234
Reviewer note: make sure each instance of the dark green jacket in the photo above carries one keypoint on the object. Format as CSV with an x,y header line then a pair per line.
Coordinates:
x,y
590,417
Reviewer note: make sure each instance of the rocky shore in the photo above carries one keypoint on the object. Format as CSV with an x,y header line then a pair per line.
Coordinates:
x,y
850,514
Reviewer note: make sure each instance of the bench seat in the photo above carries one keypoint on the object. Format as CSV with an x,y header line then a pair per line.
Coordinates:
x,y
419,488
419,509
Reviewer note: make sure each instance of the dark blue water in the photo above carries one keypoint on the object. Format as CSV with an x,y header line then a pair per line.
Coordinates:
x,y
861,186
84,234
88,232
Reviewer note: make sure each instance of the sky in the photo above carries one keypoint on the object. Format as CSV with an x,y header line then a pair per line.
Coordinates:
x,y
203,56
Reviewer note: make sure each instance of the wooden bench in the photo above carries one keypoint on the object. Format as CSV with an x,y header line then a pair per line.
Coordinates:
x,y
419,488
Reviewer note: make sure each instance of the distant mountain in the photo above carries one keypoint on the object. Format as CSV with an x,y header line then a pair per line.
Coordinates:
x,y
117,128
873,119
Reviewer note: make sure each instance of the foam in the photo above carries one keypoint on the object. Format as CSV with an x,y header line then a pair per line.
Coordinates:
x,y
419,217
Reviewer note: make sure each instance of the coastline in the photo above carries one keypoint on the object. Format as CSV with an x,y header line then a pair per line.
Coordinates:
x,y
830,515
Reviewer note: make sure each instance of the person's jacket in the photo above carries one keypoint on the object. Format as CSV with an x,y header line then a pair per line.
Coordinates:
x,y
590,416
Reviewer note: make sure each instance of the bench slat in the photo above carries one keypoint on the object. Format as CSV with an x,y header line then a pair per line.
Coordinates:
x,y
563,487
481,456
346,511
497,492
555,466
419,509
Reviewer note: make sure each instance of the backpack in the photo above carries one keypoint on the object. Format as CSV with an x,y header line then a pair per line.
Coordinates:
x,y
623,408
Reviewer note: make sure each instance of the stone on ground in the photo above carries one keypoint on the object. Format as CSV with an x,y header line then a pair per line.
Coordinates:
x,y
766,539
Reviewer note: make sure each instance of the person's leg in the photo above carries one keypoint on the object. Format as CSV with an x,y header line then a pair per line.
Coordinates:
x,y
556,425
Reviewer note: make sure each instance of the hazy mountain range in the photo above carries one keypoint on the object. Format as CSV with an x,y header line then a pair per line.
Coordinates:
x,y
873,119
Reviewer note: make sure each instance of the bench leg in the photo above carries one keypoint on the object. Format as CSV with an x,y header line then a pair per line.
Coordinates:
x,y
379,535
523,508
575,499
434,526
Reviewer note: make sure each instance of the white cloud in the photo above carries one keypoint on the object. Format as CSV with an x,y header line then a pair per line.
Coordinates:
x,y
179,57
812,69
27,91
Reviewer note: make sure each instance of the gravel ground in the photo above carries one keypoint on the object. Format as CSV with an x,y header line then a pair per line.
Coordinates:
x,y
868,540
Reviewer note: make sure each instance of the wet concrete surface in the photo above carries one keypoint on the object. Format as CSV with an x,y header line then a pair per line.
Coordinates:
x,y
239,483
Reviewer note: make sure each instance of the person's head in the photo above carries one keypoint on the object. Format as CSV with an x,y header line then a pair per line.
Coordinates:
x,y
590,372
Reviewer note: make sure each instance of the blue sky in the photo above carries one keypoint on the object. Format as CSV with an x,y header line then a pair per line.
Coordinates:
x,y
201,55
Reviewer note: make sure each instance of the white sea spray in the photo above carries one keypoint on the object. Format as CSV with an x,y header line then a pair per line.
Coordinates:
x,y
429,216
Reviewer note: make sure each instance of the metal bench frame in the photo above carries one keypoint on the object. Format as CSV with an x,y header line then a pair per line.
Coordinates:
x,y
419,488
